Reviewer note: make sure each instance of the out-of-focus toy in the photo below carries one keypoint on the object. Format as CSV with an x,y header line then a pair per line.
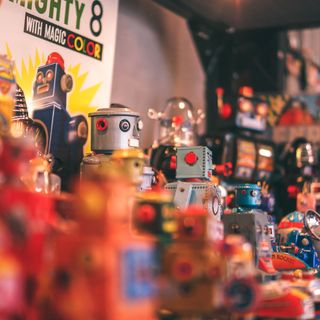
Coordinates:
x,y
241,289
7,93
250,159
154,214
298,241
193,267
131,163
100,270
295,113
307,282
300,167
178,127
252,223
194,170
306,199
114,128
39,178
245,111
281,301
315,191
65,135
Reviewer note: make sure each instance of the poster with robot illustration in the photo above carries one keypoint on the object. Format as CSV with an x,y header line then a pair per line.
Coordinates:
x,y
63,52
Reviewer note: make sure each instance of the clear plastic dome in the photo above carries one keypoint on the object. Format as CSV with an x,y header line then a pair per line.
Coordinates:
x,y
178,122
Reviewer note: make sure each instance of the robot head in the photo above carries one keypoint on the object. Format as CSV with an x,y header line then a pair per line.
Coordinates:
x,y
178,122
114,128
52,83
194,162
248,196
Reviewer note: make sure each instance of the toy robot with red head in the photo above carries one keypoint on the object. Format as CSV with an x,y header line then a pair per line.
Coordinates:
x,y
65,135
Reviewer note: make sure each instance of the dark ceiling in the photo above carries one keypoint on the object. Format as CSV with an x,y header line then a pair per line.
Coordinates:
x,y
250,14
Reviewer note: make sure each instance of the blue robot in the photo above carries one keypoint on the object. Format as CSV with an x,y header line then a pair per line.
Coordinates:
x,y
64,135
252,223
302,247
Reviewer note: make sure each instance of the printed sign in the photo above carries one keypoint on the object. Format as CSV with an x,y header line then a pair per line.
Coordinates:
x,y
82,32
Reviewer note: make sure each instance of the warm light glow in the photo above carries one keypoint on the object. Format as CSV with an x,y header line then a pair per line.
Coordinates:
x,y
265,153
181,105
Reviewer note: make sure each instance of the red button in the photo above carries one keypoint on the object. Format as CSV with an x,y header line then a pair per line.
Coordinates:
x,y
146,213
191,158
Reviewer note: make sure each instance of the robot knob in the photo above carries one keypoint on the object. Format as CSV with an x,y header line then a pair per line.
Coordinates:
x,y
66,83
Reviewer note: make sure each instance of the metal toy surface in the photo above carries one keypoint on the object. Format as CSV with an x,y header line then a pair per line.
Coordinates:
x,y
247,197
114,128
298,241
252,223
195,163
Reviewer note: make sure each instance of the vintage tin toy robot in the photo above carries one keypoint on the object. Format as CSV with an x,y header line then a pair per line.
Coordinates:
x,y
252,223
64,135
114,128
178,127
194,170
297,243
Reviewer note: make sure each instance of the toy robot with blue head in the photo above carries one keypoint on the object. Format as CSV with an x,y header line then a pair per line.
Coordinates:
x,y
64,135
252,223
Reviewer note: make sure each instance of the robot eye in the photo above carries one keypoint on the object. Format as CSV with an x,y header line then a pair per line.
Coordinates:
x,y
253,193
140,125
101,124
39,77
124,125
49,75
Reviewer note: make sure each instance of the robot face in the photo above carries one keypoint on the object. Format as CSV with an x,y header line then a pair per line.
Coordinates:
x,y
51,86
115,132
248,195
45,83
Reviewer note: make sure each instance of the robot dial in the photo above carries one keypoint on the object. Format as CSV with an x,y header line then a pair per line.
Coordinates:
x,y
124,125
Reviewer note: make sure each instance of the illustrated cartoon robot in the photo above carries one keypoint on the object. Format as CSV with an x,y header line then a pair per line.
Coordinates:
x,y
64,135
